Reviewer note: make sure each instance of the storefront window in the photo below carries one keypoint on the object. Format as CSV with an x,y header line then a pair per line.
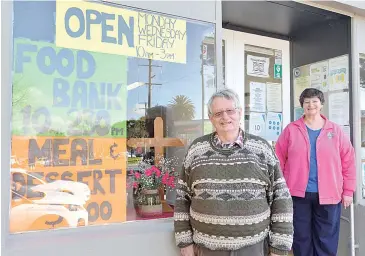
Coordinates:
x,y
106,101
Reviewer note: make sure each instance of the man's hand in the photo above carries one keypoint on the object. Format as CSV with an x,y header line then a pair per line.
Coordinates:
x,y
346,201
187,251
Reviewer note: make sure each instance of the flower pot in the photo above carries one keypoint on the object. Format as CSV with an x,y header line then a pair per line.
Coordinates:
x,y
149,203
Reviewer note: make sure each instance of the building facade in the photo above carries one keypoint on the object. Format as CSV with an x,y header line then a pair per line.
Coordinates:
x,y
105,97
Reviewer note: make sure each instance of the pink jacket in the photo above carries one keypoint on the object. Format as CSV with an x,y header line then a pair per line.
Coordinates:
x,y
335,161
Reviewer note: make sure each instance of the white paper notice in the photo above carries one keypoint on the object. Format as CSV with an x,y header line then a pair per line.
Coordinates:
x,y
257,66
346,130
300,84
338,75
318,76
273,97
257,124
273,125
257,97
362,96
339,108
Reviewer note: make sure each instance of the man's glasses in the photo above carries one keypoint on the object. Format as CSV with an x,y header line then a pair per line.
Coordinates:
x,y
229,112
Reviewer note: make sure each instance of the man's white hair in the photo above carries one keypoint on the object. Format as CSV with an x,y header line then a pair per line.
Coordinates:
x,y
227,94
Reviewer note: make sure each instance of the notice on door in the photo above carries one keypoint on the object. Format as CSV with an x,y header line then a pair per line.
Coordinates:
x,y
257,124
258,66
273,126
273,96
258,97
339,108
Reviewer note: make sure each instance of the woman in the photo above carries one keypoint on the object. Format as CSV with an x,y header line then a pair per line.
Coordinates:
x,y
318,163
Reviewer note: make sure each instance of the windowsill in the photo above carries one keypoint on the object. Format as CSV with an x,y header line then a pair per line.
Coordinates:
x,y
92,233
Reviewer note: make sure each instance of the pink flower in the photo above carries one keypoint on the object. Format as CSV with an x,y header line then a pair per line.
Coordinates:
x,y
169,181
154,168
165,178
172,180
135,185
137,175
148,172
158,172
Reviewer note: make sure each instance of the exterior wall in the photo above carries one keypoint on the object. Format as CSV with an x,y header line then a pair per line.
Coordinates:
x,y
154,237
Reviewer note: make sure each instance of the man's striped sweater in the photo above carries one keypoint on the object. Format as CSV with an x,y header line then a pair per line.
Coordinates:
x,y
231,198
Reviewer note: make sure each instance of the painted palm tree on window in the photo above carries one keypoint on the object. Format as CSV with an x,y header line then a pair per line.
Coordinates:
x,y
182,108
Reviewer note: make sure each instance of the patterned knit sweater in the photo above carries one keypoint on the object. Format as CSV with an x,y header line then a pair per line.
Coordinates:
x,y
232,198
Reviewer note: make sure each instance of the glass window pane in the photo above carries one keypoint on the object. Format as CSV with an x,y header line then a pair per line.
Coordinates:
x,y
105,104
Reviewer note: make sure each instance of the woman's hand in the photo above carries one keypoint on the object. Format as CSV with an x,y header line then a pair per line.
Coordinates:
x,y
346,201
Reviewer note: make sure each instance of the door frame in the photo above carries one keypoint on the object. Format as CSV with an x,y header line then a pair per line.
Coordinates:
x,y
235,42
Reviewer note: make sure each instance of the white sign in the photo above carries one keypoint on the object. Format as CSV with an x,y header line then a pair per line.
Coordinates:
x,y
257,124
257,97
258,66
274,123
273,97
139,109
339,108
346,130
318,76
338,74
278,57
300,84
362,97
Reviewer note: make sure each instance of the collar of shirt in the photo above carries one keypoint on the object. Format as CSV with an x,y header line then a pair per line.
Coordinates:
x,y
238,141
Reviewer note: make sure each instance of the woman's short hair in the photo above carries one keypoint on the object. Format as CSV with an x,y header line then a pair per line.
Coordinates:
x,y
311,93
227,94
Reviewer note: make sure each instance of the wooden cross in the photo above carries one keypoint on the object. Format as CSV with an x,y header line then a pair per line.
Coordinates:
x,y
158,142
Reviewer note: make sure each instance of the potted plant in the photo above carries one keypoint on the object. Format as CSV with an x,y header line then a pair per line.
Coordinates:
x,y
148,179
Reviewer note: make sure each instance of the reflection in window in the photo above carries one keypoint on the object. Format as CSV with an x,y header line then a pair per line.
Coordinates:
x,y
99,131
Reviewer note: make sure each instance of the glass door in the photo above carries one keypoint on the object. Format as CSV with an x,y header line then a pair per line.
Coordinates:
x,y
257,68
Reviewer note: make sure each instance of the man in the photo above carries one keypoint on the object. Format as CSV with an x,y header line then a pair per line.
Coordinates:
x,y
231,195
